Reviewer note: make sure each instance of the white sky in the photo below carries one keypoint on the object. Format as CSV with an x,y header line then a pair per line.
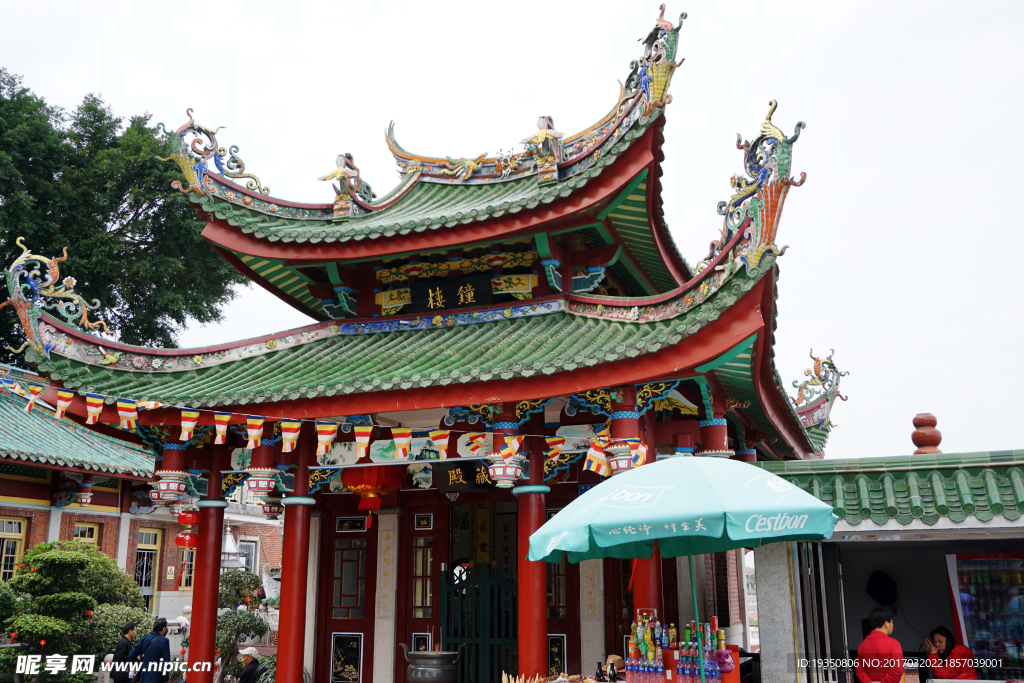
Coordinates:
x,y
900,258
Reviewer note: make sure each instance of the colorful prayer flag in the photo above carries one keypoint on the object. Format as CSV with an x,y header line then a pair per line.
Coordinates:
x,y
511,447
325,435
401,436
289,434
363,434
64,397
555,444
128,411
596,460
220,423
639,450
440,439
93,406
254,428
476,441
149,405
189,420
34,391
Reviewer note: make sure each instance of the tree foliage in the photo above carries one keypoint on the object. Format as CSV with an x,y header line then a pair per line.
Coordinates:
x,y
68,598
102,636
92,182
100,577
235,586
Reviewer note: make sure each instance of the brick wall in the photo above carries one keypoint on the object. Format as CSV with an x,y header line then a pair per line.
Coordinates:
x,y
36,522
271,542
735,576
108,528
170,553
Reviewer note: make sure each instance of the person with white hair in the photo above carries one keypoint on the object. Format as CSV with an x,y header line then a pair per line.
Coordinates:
x,y
250,665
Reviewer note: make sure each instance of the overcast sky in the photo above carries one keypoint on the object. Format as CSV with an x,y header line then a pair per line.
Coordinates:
x,y
904,253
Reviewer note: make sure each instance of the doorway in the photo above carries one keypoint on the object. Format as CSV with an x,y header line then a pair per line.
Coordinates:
x,y
147,559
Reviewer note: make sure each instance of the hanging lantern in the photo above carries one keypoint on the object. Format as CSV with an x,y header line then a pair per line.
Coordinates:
x,y
261,481
84,495
188,518
187,539
620,456
272,507
372,482
505,473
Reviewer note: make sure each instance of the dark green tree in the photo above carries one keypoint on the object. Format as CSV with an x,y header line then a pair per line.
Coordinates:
x,y
92,182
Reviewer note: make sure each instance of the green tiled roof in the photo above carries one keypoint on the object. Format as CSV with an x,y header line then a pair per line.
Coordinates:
x,y
39,437
905,488
426,206
401,359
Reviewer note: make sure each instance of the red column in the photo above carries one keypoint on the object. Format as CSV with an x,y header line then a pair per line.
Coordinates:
x,y
646,577
206,581
295,565
714,434
532,576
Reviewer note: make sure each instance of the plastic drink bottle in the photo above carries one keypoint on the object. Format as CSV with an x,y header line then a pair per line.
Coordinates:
x,y
659,670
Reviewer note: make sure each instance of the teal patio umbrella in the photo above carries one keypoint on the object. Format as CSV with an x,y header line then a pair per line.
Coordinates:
x,y
688,506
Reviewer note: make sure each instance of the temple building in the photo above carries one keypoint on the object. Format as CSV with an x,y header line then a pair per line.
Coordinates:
x,y
494,336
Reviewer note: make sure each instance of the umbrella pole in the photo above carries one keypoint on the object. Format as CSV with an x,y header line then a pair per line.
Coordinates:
x,y
696,618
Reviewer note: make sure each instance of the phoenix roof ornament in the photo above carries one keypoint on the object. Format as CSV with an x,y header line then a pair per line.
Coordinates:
x,y
192,156
34,285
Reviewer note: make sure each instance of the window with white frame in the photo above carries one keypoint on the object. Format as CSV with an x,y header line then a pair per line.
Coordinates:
x,y
250,549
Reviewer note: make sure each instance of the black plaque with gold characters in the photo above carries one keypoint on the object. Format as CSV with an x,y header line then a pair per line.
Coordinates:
x,y
556,654
457,475
346,657
437,296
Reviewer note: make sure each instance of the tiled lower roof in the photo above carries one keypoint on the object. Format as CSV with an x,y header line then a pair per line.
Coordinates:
x,y
905,488
39,437
401,359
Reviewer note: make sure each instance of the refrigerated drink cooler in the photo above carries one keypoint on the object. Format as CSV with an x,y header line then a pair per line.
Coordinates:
x,y
987,596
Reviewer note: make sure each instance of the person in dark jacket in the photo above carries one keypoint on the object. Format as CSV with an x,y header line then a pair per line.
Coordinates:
x,y
124,646
153,648
250,665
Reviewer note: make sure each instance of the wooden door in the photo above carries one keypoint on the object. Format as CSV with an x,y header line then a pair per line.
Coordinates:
x,y
348,584
423,555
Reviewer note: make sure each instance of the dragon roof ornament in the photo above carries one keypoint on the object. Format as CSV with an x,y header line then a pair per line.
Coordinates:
x,y
192,154
757,201
34,285
547,153
816,394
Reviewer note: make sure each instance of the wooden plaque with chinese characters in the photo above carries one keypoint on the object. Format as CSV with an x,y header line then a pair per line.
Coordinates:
x,y
437,296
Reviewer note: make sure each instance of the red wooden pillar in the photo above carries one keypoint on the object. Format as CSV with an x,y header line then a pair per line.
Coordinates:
x,y
646,578
206,578
714,434
295,565
532,576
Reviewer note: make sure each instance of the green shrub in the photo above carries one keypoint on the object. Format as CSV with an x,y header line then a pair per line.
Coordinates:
x,y
235,586
100,577
67,606
8,602
101,637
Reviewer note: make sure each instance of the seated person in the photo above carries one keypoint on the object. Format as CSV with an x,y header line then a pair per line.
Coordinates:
x,y
946,659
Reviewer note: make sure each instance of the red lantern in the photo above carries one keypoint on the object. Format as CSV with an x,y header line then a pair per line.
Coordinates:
x,y
187,539
181,651
42,642
372,482
188,518
13,636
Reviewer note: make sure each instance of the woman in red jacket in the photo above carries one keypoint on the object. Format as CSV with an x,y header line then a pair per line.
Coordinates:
x,y
946,659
